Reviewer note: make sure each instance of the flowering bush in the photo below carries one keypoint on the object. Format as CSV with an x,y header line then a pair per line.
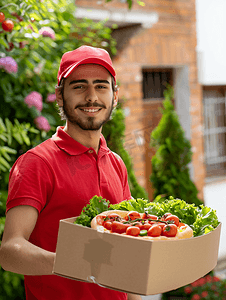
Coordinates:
x,y
209,287
8,64
42,123
47,32
34,99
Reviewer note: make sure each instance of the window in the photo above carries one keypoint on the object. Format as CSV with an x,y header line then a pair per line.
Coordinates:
x,y
214,102
154,83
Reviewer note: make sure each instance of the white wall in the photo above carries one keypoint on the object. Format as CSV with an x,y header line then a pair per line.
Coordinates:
x,y
211,41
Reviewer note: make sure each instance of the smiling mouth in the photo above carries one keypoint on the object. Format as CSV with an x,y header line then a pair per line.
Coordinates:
x,y
90,109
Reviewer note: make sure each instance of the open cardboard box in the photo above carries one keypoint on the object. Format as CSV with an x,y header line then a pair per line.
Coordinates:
x,y
133,265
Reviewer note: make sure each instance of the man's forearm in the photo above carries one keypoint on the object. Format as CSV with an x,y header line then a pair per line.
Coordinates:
x,y
22,257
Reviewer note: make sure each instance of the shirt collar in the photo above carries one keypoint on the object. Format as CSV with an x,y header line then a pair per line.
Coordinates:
x,y
66,143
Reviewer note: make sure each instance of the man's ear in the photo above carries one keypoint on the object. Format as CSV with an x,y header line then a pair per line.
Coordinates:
x,y
115,99
59,98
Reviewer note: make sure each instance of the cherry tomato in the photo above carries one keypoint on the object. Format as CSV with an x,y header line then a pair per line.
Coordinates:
x,y
181,224
138,224
155,231
7,25
146,226
119,227
174,219
165,216
169,230
2,17
107,225
152,217
132,215
112,217
100,219
161,224
133,230
145,216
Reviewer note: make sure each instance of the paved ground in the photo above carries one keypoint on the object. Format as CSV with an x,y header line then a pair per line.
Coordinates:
x,y
214,197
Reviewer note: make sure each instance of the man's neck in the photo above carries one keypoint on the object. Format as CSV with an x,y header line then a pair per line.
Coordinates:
x,y
88,138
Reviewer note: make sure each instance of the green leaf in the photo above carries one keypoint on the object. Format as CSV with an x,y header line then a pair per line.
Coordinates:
x,y
4,163
2,125
4,43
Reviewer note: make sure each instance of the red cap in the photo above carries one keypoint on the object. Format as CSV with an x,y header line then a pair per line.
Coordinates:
x,y
84,55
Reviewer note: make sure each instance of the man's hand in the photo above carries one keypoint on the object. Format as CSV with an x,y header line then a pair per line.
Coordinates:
x,y
134,297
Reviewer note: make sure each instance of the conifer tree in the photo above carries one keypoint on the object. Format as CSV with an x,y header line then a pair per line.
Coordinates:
x,y
170,172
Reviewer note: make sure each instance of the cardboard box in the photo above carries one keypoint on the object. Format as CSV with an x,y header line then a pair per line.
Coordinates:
x,y
133,265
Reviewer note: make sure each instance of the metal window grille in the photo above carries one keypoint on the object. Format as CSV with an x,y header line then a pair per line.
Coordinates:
x,y
154,83
215,129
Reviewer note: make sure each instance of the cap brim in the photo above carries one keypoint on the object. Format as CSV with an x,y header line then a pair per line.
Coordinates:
x,y
91,60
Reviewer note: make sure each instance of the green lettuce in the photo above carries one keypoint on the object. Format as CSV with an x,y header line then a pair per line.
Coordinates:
x,y
96,206
201,219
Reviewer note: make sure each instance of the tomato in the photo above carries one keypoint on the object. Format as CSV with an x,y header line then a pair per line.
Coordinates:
x,y
153,217
155,231
174,219
113,217
161,224
145,216
165,216
7,25
146,226
2,17
107,225
119,227
138,224
133,230
100,219
169,230
181,225
132,215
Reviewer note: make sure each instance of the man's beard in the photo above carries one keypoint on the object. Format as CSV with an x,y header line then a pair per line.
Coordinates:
x,y
87,123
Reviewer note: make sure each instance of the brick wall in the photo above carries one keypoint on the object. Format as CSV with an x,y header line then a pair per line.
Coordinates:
x,y
171,42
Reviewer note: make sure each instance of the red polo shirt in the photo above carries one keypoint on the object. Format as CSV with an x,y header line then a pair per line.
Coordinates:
x,y
58,178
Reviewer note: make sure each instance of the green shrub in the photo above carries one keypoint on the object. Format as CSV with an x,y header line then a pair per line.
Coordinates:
x,y
170,172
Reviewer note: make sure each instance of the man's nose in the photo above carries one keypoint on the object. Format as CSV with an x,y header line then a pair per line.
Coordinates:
x,y
91,95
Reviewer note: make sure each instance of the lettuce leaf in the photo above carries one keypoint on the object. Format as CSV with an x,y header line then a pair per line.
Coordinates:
x,y
96,206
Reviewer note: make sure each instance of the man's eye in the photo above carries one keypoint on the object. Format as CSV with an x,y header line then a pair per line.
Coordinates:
x,y
77,87
101,87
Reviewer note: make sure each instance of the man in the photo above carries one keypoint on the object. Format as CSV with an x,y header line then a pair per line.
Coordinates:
x,y
56,179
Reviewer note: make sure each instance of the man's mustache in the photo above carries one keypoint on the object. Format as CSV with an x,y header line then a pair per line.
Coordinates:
x,y
89,104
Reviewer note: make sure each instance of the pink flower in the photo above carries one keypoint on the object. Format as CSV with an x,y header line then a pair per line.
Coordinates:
x,y
188,290
30,27
42,123
215,279
195,297
9,64
47,31
208,278
204,294
34,99
201,281
51,98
